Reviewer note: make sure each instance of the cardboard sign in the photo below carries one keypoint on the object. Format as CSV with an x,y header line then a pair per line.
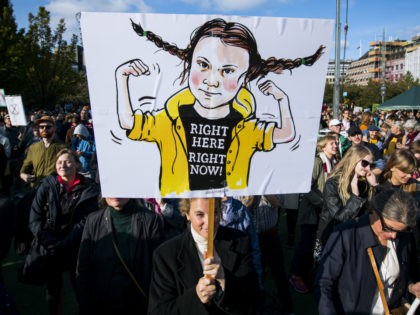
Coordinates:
x,y
15,110
205,106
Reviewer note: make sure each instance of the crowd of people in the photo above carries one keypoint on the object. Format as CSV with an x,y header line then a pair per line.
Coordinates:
x,y
138,256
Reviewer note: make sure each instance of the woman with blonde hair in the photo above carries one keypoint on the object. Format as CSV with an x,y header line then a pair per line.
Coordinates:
x,y
186,281
346,192
398,173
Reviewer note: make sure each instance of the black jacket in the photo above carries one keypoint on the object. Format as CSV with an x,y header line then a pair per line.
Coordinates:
x,y
177,269
97,259
46,216
334,212
345,282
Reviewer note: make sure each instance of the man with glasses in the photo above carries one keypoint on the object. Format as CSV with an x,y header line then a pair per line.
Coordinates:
x,y
40,159
346,282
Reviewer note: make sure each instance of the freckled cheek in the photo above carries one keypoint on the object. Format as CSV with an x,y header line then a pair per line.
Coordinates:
x,y
230,85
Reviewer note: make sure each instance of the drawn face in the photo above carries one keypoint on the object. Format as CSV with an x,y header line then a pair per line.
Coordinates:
x,y
65,165
216,73
198,216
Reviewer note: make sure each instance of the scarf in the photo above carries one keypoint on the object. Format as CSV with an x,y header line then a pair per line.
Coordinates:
x,y
327,165
200,243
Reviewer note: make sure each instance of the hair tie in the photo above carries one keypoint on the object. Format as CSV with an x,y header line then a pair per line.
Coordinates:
x,y
303,61
145,33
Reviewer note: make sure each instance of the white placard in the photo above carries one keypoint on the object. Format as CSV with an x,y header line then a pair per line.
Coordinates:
x,y
15,110
236,116
2,98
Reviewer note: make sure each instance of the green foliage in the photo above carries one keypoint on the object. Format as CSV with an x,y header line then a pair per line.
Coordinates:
x,y
370,94
10,50
39,64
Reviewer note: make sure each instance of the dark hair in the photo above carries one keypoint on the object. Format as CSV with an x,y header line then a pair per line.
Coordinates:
x,y
233,34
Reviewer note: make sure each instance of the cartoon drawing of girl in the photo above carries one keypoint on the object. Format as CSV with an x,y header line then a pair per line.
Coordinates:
x,y
207,132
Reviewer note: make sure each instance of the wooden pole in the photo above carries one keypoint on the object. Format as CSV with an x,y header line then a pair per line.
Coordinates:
x,y
210,237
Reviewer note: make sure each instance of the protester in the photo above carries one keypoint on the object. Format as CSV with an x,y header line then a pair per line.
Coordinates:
x,y
346,119
373,136
365,121
343,143
394,139
168,212
74,121
40,159
58,213
264,212
115,258
346,192
289,203
235,215
84,149
355,137
185,281
398,173
4,188
14,155
410,133
12,133
309,209
415,149
346,283
7,228
40,162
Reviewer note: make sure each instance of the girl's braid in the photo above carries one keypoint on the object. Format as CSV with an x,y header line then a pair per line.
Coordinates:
x,y
157,40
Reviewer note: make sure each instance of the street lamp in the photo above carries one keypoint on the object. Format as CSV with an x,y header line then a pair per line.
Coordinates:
x,y
383,90
336,95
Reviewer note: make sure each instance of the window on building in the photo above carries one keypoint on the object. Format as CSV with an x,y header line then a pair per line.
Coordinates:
x,y
396,67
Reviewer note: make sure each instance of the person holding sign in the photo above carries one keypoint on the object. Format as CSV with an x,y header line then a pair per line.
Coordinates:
x,y
186,281
207,132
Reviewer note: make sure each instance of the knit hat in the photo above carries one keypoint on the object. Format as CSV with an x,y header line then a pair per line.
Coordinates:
x,y
81,130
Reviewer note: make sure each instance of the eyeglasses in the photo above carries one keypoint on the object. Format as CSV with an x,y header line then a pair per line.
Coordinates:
x,y
47,127
365,163
389,229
